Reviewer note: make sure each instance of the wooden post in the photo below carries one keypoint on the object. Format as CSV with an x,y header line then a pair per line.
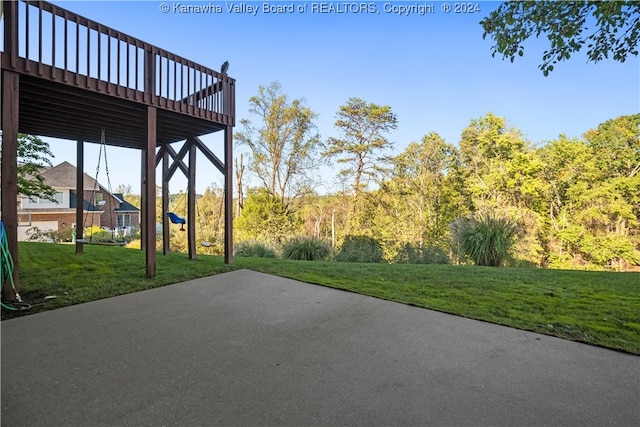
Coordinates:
x,y
143,187
191,200
149,75
166,225
79,195
228,194
10,12
150,192
9,171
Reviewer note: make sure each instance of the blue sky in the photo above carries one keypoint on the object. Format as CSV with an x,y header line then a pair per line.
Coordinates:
x,y
435,71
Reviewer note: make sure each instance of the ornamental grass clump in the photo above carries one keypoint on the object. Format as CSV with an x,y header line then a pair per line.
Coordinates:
x,y
307,249
252,248
486,239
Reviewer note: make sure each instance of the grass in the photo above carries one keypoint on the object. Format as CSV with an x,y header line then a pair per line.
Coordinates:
x,y
598,308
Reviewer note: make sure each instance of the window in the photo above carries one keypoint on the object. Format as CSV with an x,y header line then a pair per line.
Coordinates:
x,y
99,198
124,220
59,196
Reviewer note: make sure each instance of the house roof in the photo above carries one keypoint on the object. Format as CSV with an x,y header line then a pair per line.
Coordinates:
x,y
73,203
64,175
124,205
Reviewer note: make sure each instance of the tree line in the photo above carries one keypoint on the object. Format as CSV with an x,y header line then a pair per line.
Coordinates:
x,y
575,202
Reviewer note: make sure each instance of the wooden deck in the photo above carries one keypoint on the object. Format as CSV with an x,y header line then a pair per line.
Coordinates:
x,y
66,76
80,76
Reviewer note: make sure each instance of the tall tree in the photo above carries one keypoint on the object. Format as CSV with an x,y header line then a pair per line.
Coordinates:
x,y
363,126
594,197
419,178
608,28
616,146
487,147
501,172
283,146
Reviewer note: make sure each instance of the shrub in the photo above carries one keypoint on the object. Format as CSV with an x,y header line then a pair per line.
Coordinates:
x,y
486,239
252,248
360,249
413,254
307,248
54,236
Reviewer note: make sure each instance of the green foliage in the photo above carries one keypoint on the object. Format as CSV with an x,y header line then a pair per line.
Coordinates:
x,y
265,218
485,238
607,28
421,197
37,235
33,155
360,249
307,249
254,248
616,146
413,254
97,234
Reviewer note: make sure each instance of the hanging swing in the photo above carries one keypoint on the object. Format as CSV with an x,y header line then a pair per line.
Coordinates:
x,y
101,204
206,243
174,217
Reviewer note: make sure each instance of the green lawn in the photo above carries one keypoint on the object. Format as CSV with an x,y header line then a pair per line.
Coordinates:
x,y
593,307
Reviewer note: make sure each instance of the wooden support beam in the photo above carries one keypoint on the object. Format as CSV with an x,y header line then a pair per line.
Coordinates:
x,y
79,195
228,195
209,155
9,170
177,160
165,204
160,154
143,191
149,213
191,200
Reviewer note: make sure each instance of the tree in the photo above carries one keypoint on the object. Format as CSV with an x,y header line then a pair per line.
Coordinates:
x,y
606,27
502,174
616,146
593,197
266,219
33,155
284,147
487,147
363,126
124,189
422,201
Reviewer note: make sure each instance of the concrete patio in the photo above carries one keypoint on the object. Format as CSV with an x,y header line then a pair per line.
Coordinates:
x,y
249,349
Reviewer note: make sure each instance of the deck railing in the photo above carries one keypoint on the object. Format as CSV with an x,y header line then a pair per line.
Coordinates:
x,y
44,40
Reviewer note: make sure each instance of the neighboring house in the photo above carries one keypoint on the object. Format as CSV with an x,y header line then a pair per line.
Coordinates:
x,y
100,207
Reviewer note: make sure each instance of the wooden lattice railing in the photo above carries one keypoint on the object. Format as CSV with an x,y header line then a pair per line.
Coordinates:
x,y
50,42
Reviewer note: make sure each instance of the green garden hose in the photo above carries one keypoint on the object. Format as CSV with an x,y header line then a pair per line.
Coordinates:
x,y
6,273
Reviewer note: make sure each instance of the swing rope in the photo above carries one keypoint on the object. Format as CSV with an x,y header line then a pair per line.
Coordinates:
x,y
103,148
